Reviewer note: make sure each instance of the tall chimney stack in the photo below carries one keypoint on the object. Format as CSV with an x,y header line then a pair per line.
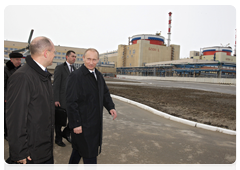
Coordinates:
x,y
169,27
236,41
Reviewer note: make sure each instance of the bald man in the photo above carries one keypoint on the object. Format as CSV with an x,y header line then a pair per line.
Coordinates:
x,y
30,107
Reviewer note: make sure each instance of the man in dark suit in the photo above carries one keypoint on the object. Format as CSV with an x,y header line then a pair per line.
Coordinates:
x,y
86,94
30,107
59,87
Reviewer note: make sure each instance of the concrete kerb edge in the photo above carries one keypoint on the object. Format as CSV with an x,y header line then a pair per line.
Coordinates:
x,y
174,118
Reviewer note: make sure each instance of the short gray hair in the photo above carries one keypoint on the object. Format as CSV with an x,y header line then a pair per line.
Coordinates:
x,y
91,49
40,44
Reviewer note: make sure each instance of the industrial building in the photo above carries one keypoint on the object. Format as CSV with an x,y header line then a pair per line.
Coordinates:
x,y
151,55
146,48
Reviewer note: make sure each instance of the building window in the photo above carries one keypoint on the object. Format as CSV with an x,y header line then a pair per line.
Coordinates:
x,y
133,51
63,53
5,53
130,52
132,56
63,58
5,48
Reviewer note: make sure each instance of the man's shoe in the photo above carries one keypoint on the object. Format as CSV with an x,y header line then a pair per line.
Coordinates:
x,y
60,143
68,138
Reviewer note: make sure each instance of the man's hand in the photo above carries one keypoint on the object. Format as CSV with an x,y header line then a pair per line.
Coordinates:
x,y
77,130
113,113
24,161
57,104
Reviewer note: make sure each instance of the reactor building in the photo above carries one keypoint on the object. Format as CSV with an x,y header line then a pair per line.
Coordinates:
x,y
147,48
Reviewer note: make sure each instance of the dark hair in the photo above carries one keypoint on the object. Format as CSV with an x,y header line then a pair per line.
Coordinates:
x,y
69,52
91,49
39,44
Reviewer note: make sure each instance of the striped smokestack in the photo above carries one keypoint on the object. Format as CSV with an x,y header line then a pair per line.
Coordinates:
x,y
236,46
169,27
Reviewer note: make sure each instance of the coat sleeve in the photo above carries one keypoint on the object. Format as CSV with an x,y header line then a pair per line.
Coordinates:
x,y
18,99
72,96
5,84
107,99
57,83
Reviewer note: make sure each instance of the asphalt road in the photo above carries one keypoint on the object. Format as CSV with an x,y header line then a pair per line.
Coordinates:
x,y
140,137
220,88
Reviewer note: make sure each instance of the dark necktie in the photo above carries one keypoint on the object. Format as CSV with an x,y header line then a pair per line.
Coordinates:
x,y
71,68
93,73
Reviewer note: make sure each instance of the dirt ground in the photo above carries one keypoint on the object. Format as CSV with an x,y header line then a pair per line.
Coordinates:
x,y
210,108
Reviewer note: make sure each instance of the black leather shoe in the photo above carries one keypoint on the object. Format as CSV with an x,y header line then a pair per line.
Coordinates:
x,y
68,138
60,143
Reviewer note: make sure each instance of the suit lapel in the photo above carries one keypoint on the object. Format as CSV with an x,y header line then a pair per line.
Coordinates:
x,y
66,68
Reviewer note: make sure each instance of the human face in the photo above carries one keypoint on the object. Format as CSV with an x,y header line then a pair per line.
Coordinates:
x,y
16,61
71,58
91,59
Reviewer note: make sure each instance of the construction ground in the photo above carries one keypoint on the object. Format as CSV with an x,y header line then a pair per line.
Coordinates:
x,y
212,108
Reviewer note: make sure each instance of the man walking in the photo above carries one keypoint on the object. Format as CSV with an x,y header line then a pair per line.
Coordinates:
x,y
59,87
11,66
30,107
86,94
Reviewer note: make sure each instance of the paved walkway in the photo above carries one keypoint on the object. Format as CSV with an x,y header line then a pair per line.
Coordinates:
x,y
140,137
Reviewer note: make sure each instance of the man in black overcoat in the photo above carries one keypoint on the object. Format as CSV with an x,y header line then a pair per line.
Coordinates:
x,y
86,94
30,107
61,73
11,66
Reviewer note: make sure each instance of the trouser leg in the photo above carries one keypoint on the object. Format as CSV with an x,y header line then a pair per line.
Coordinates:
x,y
58,132
75,157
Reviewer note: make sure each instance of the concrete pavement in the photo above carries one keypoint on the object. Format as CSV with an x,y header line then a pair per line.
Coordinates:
x,y
140,137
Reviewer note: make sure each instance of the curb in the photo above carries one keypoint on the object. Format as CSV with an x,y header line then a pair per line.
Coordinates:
x,y
174,118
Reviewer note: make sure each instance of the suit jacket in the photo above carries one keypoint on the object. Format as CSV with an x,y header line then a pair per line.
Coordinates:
x,y
61,73
86,97
30,113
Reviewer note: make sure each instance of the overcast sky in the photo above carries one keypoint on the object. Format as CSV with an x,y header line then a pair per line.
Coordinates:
x,y
105,27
